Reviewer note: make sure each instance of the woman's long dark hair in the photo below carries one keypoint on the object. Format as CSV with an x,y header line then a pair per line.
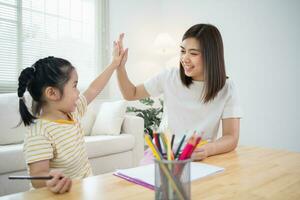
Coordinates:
x,y
211,44
49,71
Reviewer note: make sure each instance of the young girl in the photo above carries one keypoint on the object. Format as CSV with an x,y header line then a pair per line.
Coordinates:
x,y
197,94
55,139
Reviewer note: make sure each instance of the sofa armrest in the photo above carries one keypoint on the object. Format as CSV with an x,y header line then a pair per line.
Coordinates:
x,y
135,126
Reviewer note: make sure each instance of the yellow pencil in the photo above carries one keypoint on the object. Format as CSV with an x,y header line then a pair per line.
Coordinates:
x,y
167,142
152,147
201,143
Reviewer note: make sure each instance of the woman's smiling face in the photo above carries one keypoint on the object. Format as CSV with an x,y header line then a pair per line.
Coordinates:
x,y
191,59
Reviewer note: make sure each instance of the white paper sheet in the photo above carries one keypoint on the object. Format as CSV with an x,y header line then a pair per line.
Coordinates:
x,y
146,173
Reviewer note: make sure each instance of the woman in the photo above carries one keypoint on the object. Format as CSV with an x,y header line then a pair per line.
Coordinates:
x,y
198,95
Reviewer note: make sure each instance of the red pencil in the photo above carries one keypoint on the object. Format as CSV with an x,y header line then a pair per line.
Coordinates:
x,y
186,151
197,142
156,140
189,147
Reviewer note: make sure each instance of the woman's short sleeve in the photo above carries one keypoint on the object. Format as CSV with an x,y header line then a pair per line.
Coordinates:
x,y
155,85
232,107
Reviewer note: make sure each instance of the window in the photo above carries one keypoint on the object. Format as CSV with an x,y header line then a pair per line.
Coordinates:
x,y
33,29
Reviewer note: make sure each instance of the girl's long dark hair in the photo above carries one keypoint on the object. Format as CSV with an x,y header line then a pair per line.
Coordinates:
x,y
49,71
211,44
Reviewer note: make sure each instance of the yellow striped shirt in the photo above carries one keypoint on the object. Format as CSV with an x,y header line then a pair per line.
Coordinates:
x,y
61,142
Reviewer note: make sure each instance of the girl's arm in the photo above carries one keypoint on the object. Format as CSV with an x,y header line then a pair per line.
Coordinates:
x,y
228,141
99,83
56,184
40,168
128,89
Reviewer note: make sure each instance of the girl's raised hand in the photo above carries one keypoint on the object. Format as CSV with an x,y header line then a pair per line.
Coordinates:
x,y
120,41
58,184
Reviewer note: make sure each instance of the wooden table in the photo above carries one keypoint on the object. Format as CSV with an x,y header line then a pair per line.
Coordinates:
x,y
250,173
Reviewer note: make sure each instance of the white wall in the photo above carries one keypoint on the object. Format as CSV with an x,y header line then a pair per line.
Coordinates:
x,y
262,52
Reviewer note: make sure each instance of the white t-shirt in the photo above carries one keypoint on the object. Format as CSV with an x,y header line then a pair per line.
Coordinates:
x,y
184,111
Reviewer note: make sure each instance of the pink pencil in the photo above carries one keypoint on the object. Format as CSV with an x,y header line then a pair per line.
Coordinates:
x,y
186,151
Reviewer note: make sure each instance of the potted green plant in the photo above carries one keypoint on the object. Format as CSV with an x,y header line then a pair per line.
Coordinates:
x,y
151,115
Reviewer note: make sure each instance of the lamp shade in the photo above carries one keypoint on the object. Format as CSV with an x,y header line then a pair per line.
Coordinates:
x,y
164,44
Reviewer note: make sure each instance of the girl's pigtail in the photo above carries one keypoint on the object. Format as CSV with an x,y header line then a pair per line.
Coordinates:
x,y
24,79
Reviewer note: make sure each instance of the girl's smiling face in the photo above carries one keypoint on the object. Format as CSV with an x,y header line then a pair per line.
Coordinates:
x,y
70,94
191,59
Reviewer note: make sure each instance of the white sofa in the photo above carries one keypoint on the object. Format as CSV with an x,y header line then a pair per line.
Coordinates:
x,y
106,153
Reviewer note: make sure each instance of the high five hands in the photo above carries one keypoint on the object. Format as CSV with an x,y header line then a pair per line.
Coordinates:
x,y
120,54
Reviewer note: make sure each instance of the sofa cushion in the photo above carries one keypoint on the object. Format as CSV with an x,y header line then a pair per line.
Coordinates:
x,y
12,158
110,118
9,119
103,145
89,117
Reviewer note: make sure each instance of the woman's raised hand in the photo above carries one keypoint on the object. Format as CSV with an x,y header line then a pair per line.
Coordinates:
x,y
124,58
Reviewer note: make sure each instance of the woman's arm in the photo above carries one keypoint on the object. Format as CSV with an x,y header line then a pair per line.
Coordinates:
x,y
128,89
228,141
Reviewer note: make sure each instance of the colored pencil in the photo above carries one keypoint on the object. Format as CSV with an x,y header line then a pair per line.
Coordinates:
x,y
31,177
179,146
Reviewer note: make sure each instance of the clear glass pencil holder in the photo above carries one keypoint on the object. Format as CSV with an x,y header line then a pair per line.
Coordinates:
x,y
173,179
